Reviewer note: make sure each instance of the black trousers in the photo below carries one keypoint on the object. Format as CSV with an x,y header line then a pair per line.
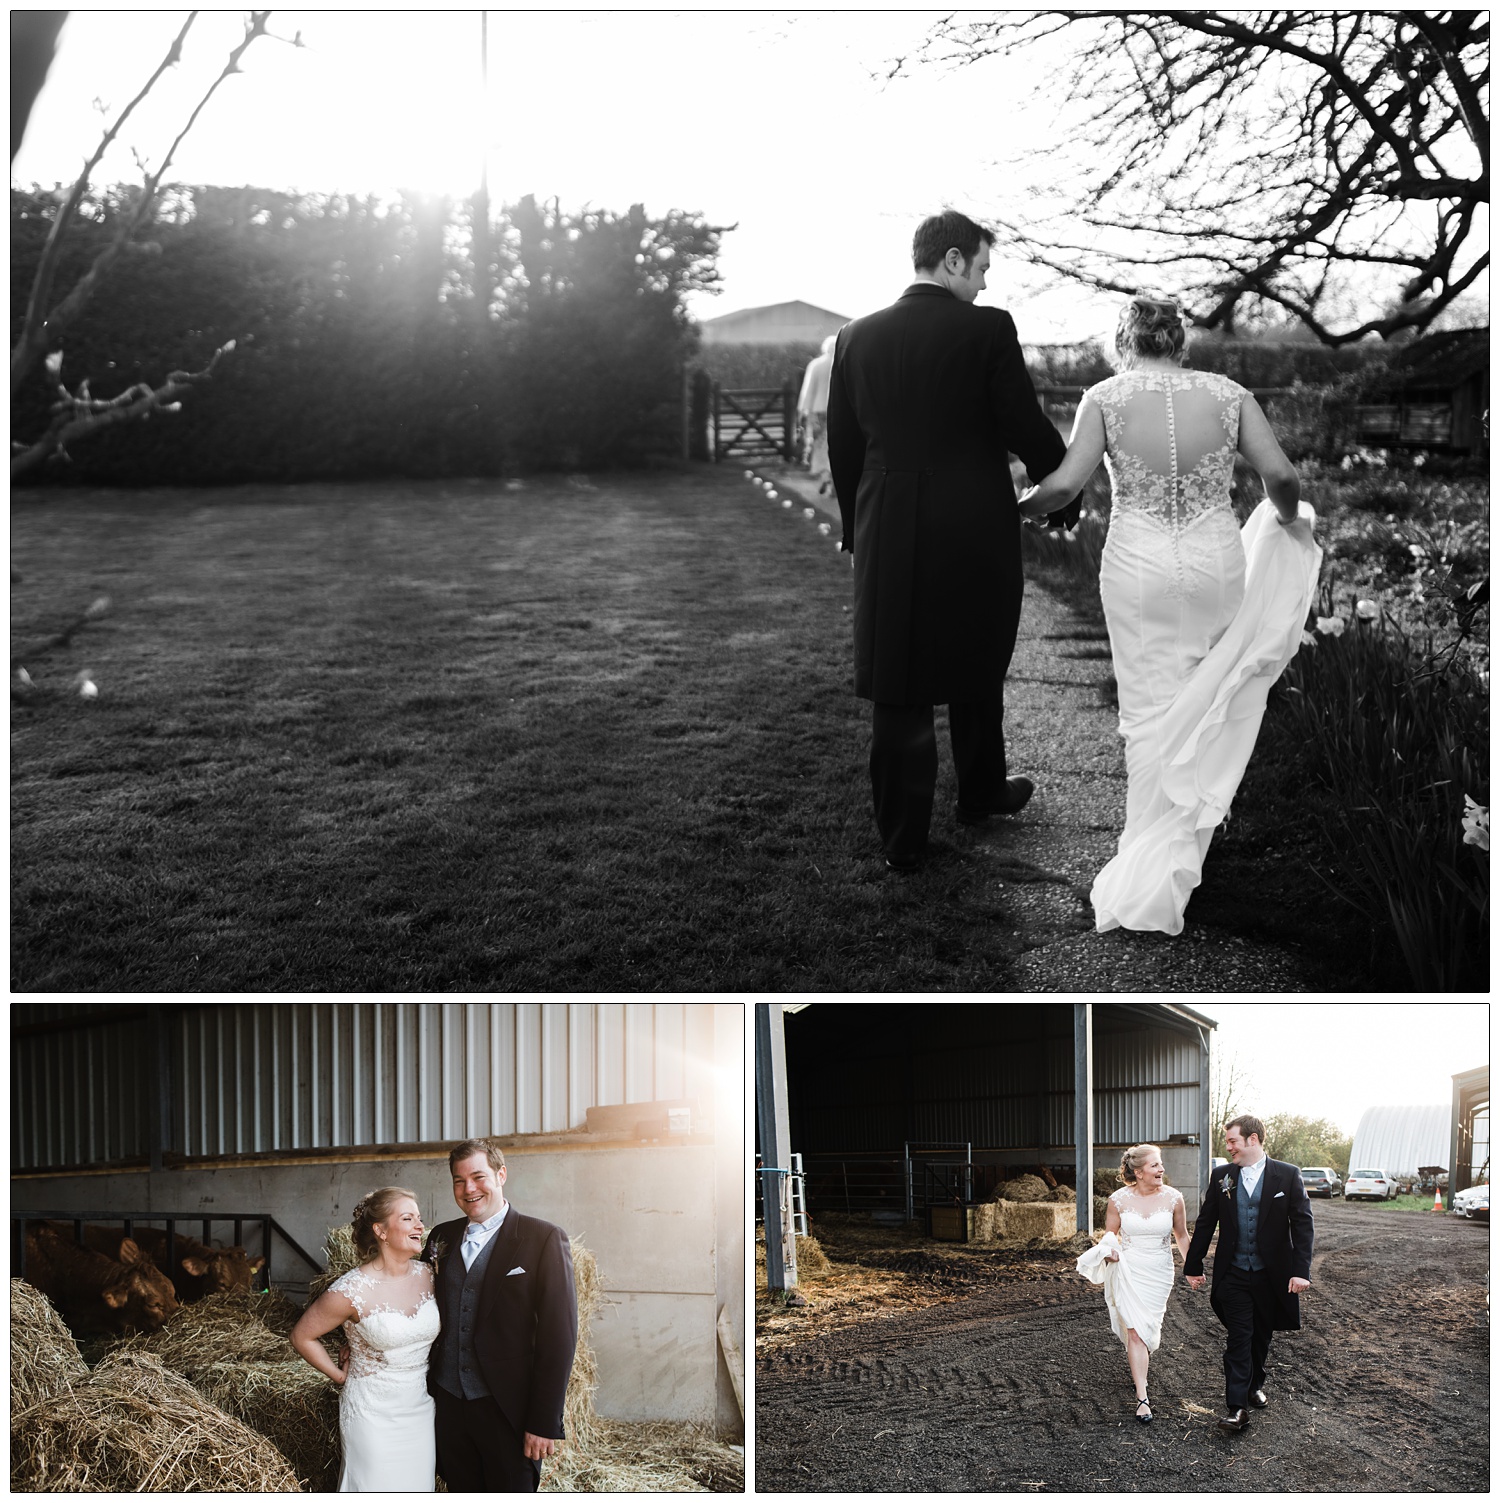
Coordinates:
x,y
1246,1304
478,1451
903,766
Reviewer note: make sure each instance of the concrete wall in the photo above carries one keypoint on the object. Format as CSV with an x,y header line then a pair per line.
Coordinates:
x,y
665,1223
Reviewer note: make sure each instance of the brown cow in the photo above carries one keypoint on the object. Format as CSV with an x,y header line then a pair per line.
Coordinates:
x,y
94,1292
200,1269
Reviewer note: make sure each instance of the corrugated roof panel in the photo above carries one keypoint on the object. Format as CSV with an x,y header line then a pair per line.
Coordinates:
x,y
257,1078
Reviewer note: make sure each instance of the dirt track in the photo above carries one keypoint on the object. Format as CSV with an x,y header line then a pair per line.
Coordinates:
x,y
1017,1385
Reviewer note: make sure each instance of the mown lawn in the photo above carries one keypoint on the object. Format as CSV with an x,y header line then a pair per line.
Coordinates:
x,y
449,736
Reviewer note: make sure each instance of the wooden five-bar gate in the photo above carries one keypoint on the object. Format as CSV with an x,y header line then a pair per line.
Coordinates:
x,y
757,422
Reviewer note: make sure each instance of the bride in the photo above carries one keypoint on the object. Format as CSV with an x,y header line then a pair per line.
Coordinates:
x,y
390,1318
1203,615
1134,1259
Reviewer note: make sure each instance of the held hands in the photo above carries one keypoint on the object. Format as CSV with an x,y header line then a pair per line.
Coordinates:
x,y
1195,1280
1032,509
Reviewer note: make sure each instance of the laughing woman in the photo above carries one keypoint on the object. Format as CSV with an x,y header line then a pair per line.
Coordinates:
x,y
1134,1259
390,1319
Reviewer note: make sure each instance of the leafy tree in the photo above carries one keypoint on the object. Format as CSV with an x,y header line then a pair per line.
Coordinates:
x,y
1331,165
1305,1140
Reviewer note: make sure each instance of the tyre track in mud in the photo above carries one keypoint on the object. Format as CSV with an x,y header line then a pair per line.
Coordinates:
x,y
1021,1387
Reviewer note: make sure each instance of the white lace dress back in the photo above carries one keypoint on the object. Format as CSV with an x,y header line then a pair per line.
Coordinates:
x,y
385,1411
1136,1289
1202,616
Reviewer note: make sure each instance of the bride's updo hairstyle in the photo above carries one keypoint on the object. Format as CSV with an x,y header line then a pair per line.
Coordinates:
x,y
1133,1158
376,1206
1149,329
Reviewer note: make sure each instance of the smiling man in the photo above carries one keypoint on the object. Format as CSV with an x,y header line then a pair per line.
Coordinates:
x,y
1263,1262
499,1369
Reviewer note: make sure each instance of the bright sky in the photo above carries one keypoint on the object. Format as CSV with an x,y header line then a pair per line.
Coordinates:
x,y
1337,1059
771,121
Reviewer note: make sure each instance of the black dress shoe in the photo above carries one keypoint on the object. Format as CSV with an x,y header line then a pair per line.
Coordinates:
x,y
903,863
1258,1399
1236,1419
1017,793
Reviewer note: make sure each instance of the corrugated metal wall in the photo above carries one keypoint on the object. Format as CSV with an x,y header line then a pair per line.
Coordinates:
x,y
285,1076
998,1077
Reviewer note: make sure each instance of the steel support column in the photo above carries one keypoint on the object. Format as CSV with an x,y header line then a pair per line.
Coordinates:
x,y
775,1145
1083,1112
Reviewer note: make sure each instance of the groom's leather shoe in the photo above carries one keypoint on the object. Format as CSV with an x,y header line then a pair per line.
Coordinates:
x,y
1258,1399
903,863
1236,1419
1017,793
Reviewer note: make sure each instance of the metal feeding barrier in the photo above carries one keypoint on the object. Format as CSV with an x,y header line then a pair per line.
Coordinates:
x,y
128,1220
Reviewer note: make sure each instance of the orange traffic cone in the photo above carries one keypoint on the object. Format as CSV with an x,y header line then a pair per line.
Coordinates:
x,y
1437,1199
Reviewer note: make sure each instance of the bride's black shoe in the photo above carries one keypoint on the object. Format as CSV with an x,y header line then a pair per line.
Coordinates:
x,y
1147,1417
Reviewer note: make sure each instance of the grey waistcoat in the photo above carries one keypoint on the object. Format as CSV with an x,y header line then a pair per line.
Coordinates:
x,y
1246,1253
458,1370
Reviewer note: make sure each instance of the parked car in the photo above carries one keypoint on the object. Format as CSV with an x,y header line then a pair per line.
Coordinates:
x,y
1473,1204
1322,1181
1370,1184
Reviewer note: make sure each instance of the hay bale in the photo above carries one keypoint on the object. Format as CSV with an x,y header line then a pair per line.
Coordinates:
x,y
132,1426
1064,1195
339,1249
1025,1187
232,1347
1107,1181
659,1457
580,1423
44,1358
1101,1209
812,1261
601,1455
1025,1221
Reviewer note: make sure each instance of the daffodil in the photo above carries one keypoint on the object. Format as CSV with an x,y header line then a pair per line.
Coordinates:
x,y
1476,824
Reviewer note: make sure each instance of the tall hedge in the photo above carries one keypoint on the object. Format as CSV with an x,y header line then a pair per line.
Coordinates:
x,y
374,338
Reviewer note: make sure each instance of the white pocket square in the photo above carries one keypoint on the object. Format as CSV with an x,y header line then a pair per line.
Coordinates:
x,y
1278,1195
515,1271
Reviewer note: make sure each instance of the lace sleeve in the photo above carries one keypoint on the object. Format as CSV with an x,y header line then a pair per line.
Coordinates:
x,y
354,1286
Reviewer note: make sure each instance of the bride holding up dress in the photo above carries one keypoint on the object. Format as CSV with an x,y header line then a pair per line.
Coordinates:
x,y
1203,615
390,1319
1134,1259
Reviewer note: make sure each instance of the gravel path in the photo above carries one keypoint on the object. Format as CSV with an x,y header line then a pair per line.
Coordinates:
x,y
1063,735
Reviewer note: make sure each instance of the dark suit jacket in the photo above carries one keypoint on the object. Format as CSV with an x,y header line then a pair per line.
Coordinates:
x,y
526,1324
927,401
1284,1233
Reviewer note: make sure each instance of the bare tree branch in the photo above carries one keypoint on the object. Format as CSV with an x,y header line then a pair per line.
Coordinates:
x,y
42,328
1318,159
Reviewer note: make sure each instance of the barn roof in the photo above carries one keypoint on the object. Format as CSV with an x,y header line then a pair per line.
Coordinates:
x,y
1402,1139
793,312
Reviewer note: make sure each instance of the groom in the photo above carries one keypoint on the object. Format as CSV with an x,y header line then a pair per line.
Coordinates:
x,y
499,1368
1264,1260
927,400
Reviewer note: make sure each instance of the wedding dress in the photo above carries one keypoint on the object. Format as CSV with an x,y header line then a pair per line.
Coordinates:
x,y
1136,1288
1203,616
385,1411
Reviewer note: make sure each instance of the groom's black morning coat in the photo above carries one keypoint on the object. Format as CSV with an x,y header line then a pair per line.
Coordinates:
x,y
927,400
526,1323
1284,1234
